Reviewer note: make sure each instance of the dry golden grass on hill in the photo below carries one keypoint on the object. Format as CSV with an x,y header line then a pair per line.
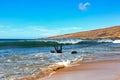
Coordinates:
x,y
111,32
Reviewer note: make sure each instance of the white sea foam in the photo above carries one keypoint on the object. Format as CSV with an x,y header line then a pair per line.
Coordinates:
x,y
64,63
105,40
63,41
75,41
70,41
109,40
70,62
116,41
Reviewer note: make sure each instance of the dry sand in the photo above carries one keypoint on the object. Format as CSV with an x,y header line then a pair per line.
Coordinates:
x,y
99,70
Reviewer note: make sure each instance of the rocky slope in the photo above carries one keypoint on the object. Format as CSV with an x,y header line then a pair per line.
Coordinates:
x,y
111,32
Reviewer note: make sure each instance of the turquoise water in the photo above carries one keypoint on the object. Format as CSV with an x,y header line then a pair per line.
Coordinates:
x,y
21,58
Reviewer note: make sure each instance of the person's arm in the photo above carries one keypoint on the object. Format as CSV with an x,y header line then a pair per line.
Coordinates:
x,y
61,47
55,48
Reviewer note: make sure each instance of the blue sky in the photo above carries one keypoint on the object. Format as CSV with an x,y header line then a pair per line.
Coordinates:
x,y
42,18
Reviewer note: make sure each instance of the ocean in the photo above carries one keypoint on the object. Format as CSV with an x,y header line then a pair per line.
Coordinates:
x,y
21,58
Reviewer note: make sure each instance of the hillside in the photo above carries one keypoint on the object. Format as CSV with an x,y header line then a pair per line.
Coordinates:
x,y
111,32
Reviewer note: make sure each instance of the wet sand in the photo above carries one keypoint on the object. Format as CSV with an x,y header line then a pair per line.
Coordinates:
x,y
99,70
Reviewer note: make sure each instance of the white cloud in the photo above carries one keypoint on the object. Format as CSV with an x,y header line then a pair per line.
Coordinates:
x,y
69,29
35,31
83,6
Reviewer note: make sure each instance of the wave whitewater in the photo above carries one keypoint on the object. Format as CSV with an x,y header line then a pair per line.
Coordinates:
x,y
49,42
33,69
36,62
47,72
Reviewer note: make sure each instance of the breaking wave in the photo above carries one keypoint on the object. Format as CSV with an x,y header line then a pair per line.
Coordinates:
x,y
49,42
116,41
37,62
42,64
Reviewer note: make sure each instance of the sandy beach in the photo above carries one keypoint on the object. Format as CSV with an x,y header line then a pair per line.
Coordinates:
x,y
59,40
99,70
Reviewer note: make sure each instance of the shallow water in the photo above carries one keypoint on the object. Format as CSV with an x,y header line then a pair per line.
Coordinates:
x,y
17,62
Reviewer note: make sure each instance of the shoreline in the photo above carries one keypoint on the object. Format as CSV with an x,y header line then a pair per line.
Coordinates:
x,y
98,70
